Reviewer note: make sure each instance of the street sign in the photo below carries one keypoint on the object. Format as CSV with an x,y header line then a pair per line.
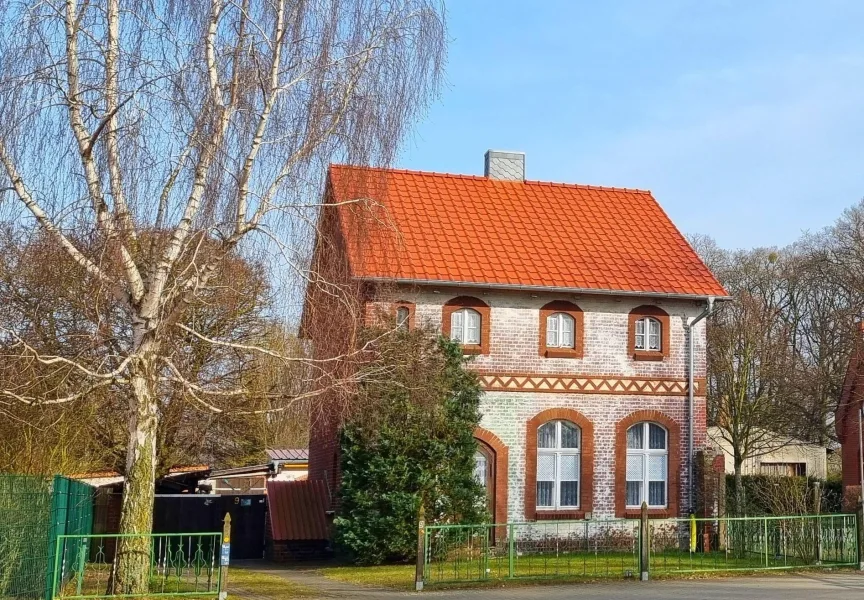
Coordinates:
x,y
226,554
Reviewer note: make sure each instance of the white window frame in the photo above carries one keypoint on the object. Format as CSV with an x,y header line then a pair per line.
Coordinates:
x,y
558,452
558,319
645,324
459,332
644,453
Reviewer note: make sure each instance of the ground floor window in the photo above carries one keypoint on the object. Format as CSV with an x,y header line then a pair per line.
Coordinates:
x,y
647,465
557,465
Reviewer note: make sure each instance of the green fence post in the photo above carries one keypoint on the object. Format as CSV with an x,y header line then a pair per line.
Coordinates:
x,y
56,528
765,538
511,552
859,537
644,542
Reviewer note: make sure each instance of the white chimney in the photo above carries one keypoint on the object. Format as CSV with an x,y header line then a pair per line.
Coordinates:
x,y
504,165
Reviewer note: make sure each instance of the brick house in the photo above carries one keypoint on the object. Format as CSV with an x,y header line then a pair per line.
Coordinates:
x,y
848,425
575,303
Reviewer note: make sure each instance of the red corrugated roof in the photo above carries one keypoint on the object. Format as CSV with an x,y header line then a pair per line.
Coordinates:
x,y
434,227
298,510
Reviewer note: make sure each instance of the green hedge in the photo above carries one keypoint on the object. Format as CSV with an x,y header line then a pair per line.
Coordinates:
x,y
771,495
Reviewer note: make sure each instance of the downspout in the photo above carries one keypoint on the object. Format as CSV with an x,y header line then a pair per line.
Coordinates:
x,y
690,369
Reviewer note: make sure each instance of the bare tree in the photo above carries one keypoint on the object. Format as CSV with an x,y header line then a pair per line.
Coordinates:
x,y
153,141
750,357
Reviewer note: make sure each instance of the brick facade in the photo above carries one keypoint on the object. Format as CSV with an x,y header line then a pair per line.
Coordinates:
x,y
513,332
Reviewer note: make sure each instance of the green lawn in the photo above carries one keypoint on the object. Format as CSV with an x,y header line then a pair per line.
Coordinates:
x,y
243,582
533,567
390,576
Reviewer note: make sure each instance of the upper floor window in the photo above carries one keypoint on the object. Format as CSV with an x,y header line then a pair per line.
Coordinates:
x,y
561,327
559,331
558,465
649,333
466,320
465,325
647,465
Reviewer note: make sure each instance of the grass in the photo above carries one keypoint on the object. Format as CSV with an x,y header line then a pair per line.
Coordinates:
x,y
534,568
390,576
244,582
241,582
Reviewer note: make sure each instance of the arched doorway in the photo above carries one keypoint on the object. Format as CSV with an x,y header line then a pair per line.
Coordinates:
x,y
484,473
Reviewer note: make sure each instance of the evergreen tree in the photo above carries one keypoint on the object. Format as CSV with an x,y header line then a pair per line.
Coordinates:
x,y
416,445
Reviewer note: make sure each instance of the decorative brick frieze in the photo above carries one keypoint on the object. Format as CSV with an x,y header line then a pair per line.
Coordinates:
x,y
588,385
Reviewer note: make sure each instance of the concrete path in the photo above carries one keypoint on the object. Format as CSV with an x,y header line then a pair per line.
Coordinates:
x,y
844,585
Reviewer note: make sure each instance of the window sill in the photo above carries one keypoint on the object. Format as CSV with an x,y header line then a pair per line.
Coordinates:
x,y
473,349
559,515
654,513
648,355
561,353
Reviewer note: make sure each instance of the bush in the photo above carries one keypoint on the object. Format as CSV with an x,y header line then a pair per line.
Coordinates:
x,y
414,442
772,495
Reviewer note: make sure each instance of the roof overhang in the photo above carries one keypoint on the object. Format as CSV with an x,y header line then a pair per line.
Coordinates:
x,y
543,288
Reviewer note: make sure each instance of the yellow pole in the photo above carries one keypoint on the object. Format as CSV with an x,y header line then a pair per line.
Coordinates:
x,y
692,532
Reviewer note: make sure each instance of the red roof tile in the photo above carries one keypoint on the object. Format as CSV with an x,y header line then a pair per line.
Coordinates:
x,y
298,510
424,227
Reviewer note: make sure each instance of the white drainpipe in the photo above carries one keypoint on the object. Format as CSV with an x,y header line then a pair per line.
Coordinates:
x,y
690,368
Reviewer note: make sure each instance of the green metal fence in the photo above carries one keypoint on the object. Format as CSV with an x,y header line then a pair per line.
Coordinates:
x,y
598,549
539,550
33,512
180,564
752,543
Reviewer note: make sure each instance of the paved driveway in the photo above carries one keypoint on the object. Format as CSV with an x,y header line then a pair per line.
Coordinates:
x,y
843,585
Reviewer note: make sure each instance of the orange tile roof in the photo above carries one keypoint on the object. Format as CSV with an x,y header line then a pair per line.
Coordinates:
x,y
434,227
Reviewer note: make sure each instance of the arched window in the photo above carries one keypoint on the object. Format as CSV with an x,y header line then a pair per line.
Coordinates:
x,y
403,316
647,465
649,335
560,331
465,325
558,465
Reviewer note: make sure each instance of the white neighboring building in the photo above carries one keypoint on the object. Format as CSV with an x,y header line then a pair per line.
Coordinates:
x,y
780,456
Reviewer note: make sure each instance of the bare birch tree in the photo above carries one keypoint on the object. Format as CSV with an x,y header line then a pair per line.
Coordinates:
x,y
153,141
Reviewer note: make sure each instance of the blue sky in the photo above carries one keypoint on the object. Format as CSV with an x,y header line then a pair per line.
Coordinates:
x,y
746,119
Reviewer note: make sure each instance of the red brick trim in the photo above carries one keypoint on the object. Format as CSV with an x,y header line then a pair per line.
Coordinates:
x,y
481,307
562,306
586,464
502,463
661,315
411,308
674,466
588,384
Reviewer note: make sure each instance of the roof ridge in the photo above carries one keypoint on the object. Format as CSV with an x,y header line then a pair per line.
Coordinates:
x,y
585,186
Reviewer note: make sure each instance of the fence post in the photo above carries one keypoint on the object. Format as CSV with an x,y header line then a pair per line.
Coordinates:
x,y
859,522
511,555
644,542
765,538
421,549
817,508
225,557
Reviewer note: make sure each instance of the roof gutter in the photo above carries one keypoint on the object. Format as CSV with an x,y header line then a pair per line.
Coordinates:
x,y
545,288
688,324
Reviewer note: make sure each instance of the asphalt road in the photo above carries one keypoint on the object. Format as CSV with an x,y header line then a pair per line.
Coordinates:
x,y
816,586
